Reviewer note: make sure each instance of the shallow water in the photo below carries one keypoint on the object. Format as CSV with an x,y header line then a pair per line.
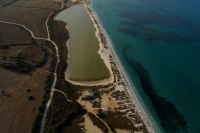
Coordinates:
x,y
158,41
85,64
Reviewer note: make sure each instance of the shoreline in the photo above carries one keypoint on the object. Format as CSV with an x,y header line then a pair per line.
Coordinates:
x,y
105,55
132,96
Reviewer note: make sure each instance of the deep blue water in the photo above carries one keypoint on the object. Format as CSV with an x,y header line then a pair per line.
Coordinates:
x,y
158,44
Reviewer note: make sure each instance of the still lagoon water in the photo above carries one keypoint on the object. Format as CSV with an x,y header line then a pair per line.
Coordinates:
x,y
158,44
84,62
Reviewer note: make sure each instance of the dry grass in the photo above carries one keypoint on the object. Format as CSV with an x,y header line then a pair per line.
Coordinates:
x,y
33,53
5,1
33,14
17,113
8,78
44,4
12,50
11,34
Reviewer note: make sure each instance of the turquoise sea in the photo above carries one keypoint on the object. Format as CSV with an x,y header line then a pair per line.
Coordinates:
x,y
158,45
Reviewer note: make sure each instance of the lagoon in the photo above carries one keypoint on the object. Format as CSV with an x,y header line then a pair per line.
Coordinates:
x,y
85,64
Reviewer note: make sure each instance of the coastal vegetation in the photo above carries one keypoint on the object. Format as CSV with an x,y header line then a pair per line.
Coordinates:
x,y
120,121
63,116
60,36
98,123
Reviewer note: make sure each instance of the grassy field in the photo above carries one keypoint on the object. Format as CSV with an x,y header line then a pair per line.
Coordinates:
x,y
9,78
11,34
31,13
5,1
29,51
17,112
84,61
21,94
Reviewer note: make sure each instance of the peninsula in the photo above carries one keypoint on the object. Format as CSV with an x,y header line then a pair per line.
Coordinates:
x,y
85,87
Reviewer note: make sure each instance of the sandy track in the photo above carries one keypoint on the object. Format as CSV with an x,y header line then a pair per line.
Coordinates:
x,y
63,94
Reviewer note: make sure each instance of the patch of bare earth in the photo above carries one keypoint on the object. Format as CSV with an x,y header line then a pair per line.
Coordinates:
x,y
17,113
11,34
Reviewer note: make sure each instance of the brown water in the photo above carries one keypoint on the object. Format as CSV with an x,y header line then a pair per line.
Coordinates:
x,y
85,63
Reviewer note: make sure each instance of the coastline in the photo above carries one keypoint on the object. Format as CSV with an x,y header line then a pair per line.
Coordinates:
x,y
105,55
132,96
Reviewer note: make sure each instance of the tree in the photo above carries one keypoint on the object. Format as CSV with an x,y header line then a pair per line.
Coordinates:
x,y
30,98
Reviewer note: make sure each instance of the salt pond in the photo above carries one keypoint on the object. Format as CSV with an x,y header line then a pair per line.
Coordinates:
x,y
85,64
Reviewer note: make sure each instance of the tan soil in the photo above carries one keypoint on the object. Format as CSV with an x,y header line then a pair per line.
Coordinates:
x,y
108,102
122,131
89,127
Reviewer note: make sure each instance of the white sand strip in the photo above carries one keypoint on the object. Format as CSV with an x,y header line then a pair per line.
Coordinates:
x,y
148,123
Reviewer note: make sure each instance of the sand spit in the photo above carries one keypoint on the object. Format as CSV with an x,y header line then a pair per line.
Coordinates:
x,y
132,96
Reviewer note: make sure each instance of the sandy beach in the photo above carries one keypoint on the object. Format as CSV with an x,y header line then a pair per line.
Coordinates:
x,y
148,123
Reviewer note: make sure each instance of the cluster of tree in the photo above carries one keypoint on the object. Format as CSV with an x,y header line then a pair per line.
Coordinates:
x,y
4,47
18,63
88,98
119,120
96,104
64,116
97,122
43,60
